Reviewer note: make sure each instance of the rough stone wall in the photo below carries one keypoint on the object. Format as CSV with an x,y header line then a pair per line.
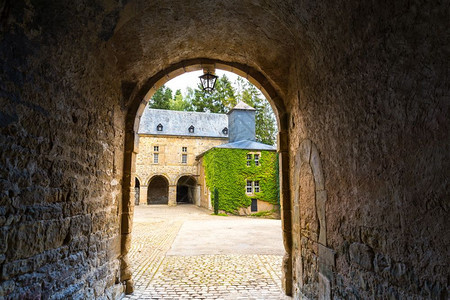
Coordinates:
x,y
170,151
365,82
61,153
205,194
373,96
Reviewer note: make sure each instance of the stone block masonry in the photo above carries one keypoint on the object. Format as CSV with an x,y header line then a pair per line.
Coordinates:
x,y
367,84
61,157
170,164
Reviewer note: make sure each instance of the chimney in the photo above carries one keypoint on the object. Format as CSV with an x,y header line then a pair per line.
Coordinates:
x,y
241,123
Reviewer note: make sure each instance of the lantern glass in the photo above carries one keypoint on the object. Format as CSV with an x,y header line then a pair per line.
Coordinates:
x,y
208,81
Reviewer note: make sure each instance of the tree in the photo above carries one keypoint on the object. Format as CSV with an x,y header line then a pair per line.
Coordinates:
x,y
180,104
161,99
221,100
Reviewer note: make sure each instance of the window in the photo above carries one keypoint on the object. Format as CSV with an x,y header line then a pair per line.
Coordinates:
x,y
184,158
249,160
249,187
159,127
256,159
252,187
254,206
256,186
191,129
184,149
155,155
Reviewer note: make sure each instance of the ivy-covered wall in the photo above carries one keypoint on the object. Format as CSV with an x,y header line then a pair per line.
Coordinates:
x,y
227,170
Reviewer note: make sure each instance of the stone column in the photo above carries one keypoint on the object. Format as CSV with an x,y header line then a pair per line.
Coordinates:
x,y
197,195
143,195
172,195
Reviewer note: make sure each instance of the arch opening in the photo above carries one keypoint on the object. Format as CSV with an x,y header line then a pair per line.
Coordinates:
x,y
137,102
137,190
186,186
158,190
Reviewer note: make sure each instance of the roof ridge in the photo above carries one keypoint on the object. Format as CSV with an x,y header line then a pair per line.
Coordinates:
x,y
185,111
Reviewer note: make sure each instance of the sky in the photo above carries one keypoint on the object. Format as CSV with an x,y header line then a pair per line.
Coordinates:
x,y
191,80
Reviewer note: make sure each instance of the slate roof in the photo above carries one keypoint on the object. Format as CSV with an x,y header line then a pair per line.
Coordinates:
x,y
242,106
178,123
247,145
244,144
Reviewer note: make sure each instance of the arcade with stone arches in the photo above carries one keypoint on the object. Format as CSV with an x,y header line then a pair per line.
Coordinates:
x,y
360,92
159,189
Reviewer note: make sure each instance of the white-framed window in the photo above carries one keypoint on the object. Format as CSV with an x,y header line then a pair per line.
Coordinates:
x,y
155,158
256,186
249,187
183,149
252,187
155,148
256,156
249,160
184,158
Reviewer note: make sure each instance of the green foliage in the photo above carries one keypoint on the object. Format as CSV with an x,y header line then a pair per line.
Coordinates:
x,y
161,99
180,104
216,201
226,170
220,214
277,167
221,100
264,213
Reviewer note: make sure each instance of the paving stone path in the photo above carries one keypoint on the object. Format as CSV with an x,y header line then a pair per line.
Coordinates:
x,y
237,275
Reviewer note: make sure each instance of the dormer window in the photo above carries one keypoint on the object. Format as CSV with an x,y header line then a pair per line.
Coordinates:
x,y
225,131
159,127
191,129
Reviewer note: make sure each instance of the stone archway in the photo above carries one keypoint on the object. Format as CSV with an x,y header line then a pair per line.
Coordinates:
x,y
137,189
186,189
368,83
158,190
139,99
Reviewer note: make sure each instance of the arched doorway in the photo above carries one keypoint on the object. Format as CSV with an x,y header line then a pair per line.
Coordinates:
x,y
158,190
137,189
186,189
139,97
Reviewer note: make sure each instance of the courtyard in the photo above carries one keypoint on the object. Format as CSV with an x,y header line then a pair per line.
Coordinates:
x,y
184,252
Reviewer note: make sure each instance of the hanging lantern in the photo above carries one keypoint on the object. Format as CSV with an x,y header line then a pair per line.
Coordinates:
x,y
208,80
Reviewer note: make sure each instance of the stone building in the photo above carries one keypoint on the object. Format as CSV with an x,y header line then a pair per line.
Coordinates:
x,y
169,165
169,142
238,168
360,90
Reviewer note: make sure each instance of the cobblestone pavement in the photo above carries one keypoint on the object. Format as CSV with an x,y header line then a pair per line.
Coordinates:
x,y
226,276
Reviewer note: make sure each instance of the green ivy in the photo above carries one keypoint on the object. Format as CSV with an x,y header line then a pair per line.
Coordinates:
x,y
227,170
